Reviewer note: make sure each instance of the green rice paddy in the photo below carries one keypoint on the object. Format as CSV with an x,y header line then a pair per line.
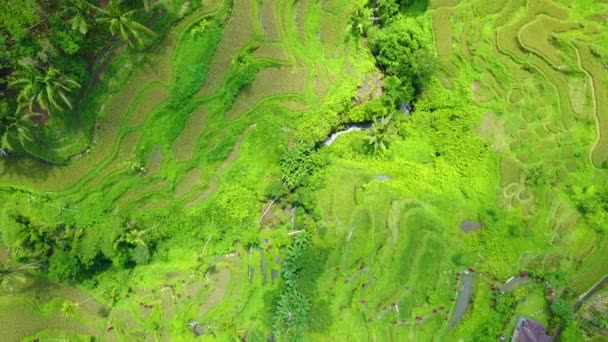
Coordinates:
x,y
518,86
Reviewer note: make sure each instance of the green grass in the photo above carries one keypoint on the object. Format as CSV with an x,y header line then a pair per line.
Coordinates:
x,y
536,37
532,134
442,30
593,68
269,83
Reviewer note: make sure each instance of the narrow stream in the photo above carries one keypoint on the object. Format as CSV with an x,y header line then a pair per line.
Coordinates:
x,y
354,127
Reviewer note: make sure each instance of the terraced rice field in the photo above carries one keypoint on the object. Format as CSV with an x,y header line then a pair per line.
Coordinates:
x,y
527,35
542,92
187,143
168,143
146,97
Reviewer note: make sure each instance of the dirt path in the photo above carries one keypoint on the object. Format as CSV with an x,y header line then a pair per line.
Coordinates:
x,y
464,299
598,286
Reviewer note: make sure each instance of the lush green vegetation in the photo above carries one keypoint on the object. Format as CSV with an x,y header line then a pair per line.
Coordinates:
x,y
166,169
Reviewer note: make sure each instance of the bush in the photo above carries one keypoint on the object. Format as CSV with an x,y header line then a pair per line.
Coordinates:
x,y
562,310
63,266
539,175
298,164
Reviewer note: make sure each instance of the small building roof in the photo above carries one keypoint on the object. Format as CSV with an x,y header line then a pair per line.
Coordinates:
x,y
528,330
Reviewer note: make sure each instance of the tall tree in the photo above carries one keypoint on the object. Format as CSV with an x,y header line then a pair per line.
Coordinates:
x,y
15,127
360,20
122,22
402,50
45,88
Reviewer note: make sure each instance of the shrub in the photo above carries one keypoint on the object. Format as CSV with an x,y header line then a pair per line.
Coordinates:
x,y
539,175
298,164
64,266
562,310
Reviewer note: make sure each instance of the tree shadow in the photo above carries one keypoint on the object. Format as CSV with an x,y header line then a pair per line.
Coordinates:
x,y
418,7
21,165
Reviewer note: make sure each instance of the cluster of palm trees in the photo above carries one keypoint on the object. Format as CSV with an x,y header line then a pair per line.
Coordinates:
x,y
119,21
43,88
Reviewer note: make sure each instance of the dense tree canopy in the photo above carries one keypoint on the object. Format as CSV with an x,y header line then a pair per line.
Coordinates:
x,y
402,51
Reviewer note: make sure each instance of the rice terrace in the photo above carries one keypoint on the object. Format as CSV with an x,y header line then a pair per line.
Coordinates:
x,y
304,170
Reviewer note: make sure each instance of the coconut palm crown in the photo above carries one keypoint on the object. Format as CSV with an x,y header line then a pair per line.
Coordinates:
x,y
122,22
45,88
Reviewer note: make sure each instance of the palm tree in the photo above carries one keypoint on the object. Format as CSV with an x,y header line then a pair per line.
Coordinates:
x,y
132,237
359,21
43,88
11,274
380,134
122,22
68,309
19,127
79,10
